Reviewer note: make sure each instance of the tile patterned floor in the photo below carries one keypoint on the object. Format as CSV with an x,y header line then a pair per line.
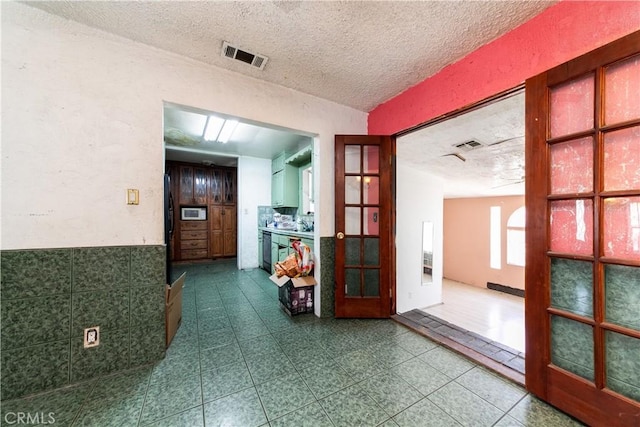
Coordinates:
x,y
238,360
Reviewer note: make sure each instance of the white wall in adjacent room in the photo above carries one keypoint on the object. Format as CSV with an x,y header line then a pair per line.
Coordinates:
x,y
419,198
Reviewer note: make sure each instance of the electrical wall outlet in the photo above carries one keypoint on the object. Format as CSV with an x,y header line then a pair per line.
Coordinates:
x,y
92,337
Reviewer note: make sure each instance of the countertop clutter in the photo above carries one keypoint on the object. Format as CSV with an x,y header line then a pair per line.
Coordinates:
x,y
295,233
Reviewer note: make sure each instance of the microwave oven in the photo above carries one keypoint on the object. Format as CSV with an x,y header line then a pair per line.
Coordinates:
x,y
193,213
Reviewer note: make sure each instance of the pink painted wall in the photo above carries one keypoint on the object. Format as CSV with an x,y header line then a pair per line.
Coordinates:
x,y
560,33
466,241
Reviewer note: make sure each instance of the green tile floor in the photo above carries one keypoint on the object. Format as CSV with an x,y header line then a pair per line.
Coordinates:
x,y
238,360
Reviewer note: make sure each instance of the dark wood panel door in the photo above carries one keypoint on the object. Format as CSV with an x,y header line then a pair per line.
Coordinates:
x,y
363,207
223,231
229,229
582,270
216,228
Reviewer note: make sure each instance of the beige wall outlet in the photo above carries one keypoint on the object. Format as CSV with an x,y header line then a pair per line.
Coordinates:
x,y
92,337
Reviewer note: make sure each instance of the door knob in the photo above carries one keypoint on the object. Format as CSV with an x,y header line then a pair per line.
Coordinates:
x,y
340,235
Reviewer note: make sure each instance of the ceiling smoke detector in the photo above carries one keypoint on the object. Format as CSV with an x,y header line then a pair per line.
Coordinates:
x,y
468,146
233,52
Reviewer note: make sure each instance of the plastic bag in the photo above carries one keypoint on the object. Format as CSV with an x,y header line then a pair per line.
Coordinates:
x,y
304,257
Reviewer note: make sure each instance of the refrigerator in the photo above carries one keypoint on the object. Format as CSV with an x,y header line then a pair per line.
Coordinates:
x,y
168,223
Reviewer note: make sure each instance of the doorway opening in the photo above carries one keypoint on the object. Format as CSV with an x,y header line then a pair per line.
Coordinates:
x,y
225,163
460,260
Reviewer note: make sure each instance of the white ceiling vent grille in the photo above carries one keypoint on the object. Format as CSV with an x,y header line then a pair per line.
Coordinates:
x,y
468,146
255,60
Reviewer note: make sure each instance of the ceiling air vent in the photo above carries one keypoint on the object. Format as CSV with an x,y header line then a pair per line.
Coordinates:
x,y
468,146
232,52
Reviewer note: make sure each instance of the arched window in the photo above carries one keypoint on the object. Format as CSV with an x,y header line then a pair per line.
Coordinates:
x,y
515,238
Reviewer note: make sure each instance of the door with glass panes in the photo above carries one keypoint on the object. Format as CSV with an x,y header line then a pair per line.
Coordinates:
x,y
583,235
363,253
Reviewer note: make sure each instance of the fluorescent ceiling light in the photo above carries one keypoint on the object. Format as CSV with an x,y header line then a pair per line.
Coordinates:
x,y
227,130
212,128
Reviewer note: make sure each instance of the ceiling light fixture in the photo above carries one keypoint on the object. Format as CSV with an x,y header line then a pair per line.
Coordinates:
x,y
212,128
227,130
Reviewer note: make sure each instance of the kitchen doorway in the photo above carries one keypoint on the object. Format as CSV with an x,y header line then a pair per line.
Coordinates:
x,y
211,141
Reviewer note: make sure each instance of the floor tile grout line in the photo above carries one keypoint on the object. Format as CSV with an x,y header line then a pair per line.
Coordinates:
x,y
197,321
498,378
146,394
272,334
514,405
255,386
84,403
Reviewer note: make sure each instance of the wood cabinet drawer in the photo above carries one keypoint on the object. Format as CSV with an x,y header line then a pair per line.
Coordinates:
x,y
194,254
193,225
193,234
193,244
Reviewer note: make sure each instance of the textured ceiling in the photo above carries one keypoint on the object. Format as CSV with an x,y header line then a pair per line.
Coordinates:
x,y
356,53
495,168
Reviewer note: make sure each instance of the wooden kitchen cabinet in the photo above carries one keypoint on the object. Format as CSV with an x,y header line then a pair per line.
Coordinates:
x,y
222,186
215,188
193,185
193,240
223,213
223,231
229,186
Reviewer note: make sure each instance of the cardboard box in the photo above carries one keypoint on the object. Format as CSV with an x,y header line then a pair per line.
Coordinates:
x,y
295,294
173,307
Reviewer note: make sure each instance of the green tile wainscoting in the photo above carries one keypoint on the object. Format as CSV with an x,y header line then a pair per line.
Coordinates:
x,y
239,360
327,282
50,295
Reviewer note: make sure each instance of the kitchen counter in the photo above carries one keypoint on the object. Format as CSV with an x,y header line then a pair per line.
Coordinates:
x,y
295,233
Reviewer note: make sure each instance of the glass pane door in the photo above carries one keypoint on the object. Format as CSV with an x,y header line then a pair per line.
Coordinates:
x,y
363,232
362,197
583,239
595,276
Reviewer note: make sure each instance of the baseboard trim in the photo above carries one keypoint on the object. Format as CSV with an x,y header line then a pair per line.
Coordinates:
x,y
505,289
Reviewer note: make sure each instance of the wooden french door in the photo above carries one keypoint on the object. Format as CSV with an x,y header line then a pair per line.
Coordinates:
x,y
364,214
583,235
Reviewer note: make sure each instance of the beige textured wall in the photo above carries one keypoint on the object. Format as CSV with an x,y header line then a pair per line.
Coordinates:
x,y
466,241
82,122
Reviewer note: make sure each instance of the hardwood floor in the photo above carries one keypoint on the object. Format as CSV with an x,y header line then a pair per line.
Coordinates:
x,y
490,313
